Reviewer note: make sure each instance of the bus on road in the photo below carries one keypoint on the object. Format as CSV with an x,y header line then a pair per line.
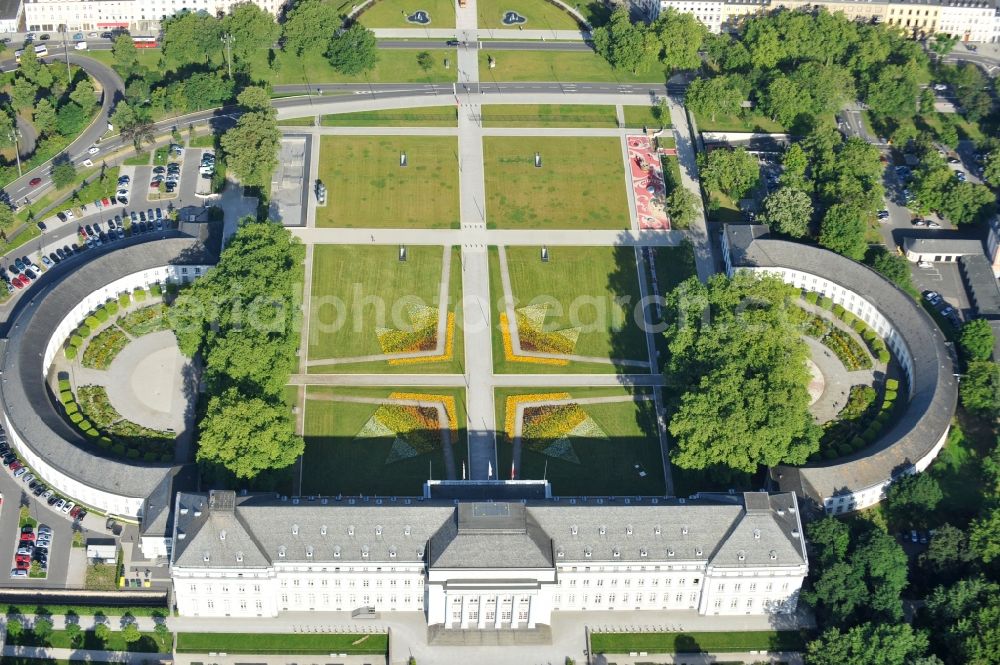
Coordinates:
x,y
144,42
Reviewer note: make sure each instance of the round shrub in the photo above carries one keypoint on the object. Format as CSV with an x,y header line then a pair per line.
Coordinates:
x,y
118,449
71,408
857,443
891,384
849,318
890,396
101,314
139,294
92,433
124,300
844,449
92,322
104,442
830,453
859,326
811,297
83,330
112,307
156,290
882,418
825,302
149,457
76,418
887,406
166,457
838,311
869,436
75,340
883,356
66,396
132,453
70,352
869,336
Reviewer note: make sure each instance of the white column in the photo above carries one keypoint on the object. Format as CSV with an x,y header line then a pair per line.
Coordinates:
x,y
532,610
499,613
465,612
483,604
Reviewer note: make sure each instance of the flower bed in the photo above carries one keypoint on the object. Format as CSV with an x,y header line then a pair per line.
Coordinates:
x,y
449,344
847,350
447,400
512,402
103,349
508,348
417,429
144,321
533,336
422,335
858,424
109,430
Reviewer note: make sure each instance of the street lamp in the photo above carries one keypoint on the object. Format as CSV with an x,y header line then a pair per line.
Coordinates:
x,y
228,39
13,134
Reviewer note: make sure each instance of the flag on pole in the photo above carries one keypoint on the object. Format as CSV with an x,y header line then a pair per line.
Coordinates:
x,y
489,470
463,469
512,470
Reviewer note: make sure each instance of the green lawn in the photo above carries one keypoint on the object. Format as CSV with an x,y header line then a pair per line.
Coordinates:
x,y
337,462
565,66
297,122
287,643
580,184
59,639
393,66
548,115
785,640
723,209
540,15
431,116
751,123
347,283
593,289
393,13
606,465
368,188
645,116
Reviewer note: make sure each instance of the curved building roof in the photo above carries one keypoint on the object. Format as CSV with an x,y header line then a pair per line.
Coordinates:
x,y
26,398
934,389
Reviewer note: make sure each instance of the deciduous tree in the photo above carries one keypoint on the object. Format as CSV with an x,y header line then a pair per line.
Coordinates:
x,y
681,37
125,55
83,94
843,231
868,644
251,147
980,387
682,206
892,266
353,51
45,117
734,172
788,211
977,339
739,378
63,172
309,26
714,97
191,37
71,119
251,28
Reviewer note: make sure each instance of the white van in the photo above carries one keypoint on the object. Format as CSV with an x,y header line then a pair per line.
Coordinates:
x,y
81,46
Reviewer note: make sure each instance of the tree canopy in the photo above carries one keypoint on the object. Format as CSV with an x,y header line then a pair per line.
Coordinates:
x,y
738,378
733,172
251,147
241,316
353,51
868,644
976,339
250,28
309,25
788,211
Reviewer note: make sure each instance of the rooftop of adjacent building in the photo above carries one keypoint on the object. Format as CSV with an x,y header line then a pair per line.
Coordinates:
x,y
257,531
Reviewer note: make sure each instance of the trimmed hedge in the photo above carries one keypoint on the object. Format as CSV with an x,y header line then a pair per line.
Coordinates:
x,y
883,356
811,297
101,314
71,408
891,384
139,294
75,340
76,418
92,322
825,302
838,311
112,307
70,352
890,395
118,449
64,384
845,449
124,300
156,290
83,330
66,396
132,453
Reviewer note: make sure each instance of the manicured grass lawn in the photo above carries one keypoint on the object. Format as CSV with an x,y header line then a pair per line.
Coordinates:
x,y
541,15
355,277
336,462
296,122
148,57
368,188
672,266
393,13
282,643
587,284
752,123
645,116
721,208
579,186
393,66
565,66
60,639
784,640
431,116
138,159
607,466
548,115
203,141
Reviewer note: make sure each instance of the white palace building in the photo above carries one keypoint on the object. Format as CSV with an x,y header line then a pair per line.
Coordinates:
x,y
486,565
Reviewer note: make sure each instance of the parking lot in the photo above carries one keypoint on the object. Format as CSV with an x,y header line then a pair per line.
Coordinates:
x,y
944,278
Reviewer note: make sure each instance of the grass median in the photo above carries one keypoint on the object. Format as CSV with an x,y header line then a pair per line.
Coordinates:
x,y
253,643
759,640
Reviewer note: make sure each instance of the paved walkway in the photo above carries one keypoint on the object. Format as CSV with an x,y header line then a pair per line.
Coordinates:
x,y
698,231
467,31
552,238
82,655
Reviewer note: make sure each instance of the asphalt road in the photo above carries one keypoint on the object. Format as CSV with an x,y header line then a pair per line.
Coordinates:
x,y
112,88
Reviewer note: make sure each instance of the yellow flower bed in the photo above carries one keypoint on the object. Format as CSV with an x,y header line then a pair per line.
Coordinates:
x,y
447,400
449,343
508,348
510,416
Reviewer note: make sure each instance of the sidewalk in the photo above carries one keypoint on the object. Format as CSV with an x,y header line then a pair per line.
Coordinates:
x,y
790,657
86,655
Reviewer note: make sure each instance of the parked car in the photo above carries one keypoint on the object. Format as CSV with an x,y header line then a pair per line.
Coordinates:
x,y
20,472
47,494
60,503
67,507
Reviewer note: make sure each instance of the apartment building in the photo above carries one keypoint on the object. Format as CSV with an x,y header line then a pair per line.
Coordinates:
x,y
486,565
138,16
10,15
